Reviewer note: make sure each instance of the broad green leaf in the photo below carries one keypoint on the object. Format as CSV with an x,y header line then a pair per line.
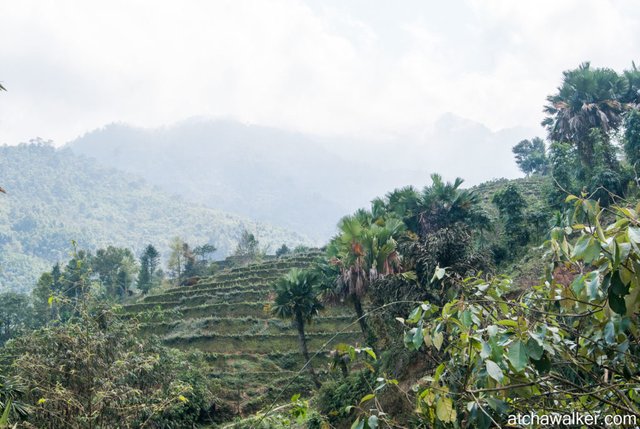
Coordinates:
x,y
358,424
507,322
534,349
617,286
497,405
625,274
494,370
485,352
418,338
609,332
577,285
592,281
492,330
439,273
617,303
373,422
439,370
586,248
518,355
634,234
366,398
415,315
371,353
444,410
466,318
438,339
408,338
496,348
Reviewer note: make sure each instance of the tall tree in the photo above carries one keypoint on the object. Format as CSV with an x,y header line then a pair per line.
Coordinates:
x,y
297,300
364,251
15,315
176,259
632,138
43,312
439,205
149,261
204,252
511,205
115,268
443,220
189,258
531,156
248,245
588,98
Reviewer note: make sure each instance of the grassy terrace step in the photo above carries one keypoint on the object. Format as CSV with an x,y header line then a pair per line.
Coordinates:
x,y
247,398
243,362
243,309
267,272
242,295
259,343
249,325
284,263
201,299
210,290
257,280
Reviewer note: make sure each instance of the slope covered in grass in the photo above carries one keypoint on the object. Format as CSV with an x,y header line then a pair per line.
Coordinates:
x,y
254,355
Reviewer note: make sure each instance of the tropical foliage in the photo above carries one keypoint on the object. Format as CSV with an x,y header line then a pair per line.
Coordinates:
x,y
297,300
477,306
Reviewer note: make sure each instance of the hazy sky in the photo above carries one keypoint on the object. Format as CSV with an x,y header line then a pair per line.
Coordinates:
x,y
365,69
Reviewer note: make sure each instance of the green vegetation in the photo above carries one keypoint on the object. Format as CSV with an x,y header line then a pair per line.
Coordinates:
x,y
148,276
297,299
475,305
54,197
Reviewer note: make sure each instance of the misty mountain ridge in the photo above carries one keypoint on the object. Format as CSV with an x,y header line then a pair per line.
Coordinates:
x,y
301,182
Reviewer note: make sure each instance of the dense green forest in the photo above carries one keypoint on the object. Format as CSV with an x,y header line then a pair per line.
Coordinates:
x,y
55,196
435,307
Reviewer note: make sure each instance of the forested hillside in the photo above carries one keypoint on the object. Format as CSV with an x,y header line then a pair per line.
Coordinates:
x,y
55,196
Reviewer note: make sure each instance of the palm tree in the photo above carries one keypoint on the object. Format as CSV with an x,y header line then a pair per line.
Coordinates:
x,y
444,204
364,250
587,99
438,206
297,300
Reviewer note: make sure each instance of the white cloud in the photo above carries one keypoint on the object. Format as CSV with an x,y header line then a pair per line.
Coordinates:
x,y
364,70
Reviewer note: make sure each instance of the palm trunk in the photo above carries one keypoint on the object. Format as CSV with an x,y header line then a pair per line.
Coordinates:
x,y
364,327
303,347
343,368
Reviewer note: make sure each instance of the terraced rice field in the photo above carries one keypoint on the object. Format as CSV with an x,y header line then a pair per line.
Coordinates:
x,y
250,353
